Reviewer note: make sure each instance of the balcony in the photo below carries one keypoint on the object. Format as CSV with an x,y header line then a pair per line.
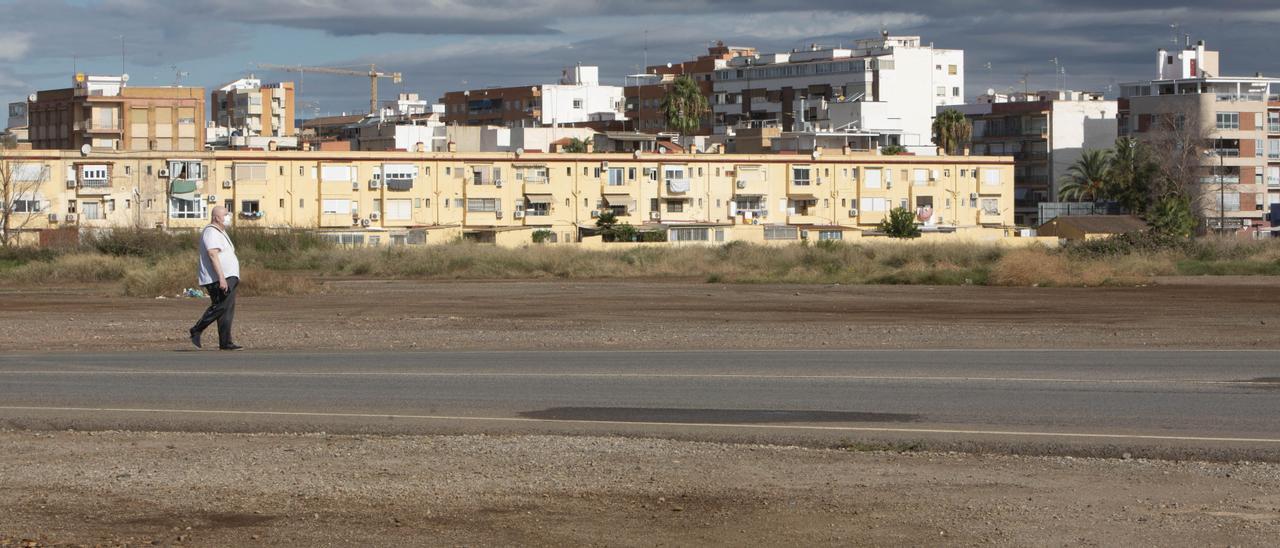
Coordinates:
x,y
1273,128
676,187
1031,156
1273,181
91,127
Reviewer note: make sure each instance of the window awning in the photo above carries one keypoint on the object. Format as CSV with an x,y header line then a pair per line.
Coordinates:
x,y
539,198
182,186
399,184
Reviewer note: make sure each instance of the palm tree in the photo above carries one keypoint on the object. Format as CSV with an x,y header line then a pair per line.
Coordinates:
x,y
951,131
1131,172
684,105
1088,177
575,146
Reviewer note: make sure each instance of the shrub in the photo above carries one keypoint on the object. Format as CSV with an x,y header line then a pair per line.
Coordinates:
x,y
139,242
901,223
542,235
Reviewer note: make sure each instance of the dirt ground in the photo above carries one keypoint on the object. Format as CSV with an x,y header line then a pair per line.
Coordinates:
x,y
140,488
112,488
516,315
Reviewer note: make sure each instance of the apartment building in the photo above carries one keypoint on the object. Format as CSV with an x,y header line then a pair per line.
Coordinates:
x,y
1238,116
644,92
888,87
406,197
255,114
106,113
16,127
578,98
1046,132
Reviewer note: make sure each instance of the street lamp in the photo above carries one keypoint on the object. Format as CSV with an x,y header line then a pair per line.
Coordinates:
x,y
1222,190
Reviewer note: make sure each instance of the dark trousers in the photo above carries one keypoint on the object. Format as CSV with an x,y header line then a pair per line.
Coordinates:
x,y
222,310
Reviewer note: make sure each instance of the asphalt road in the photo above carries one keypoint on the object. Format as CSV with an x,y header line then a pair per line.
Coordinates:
x,y
1153,403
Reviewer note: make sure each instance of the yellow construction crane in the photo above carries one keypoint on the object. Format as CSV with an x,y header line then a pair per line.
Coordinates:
x,y
373,75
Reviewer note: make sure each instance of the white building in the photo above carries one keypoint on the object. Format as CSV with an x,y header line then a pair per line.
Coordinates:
x,y
579,97
1046,132
888,87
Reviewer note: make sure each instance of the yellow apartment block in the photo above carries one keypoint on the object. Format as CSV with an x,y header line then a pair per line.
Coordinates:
x,y
383,198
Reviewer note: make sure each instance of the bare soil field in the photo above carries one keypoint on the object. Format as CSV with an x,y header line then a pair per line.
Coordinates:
x,y
176,489
1203,313
111,489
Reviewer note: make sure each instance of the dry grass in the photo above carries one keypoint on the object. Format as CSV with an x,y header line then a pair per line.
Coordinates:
x,y
171,275
74,268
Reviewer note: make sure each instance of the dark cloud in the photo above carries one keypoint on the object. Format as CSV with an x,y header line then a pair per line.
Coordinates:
x,y
514,42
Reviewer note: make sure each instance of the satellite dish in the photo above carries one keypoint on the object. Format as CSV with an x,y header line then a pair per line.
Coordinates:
x,y
636,154
85,150
124,77
668,65
816,154
519,151
32,97
991,91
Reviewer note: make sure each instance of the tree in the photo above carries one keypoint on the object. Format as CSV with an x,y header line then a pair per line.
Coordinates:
x,y
19,197
576,146
901,223
1176,141
684,105
951,131
1088,178
1131,173
893,150
1172,215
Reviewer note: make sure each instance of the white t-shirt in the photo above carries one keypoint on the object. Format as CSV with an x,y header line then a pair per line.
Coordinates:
x,y
212,238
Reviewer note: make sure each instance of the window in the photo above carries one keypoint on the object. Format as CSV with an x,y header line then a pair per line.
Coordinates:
x,y
871,178
537,209
955,92
690,234
990,206
95,176
631,174
800,175
830,235
250,207
253,172
483,205
1228,120
942,91
673,172
186,209
577,103
26,204
189,170
872,205
335,207
1230,201
990,177
91,210
399,176
780,232
399,210
30,173
534,175
920,177
615,176
951,70
653,204
675,206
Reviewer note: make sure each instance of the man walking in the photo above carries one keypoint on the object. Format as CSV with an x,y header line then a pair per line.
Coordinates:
x,y
219,274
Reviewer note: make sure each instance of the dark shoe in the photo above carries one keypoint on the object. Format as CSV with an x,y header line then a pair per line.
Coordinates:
x,y
231,347
195,339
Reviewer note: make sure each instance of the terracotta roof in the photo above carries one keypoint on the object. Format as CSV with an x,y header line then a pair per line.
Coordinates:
x,y
1101,224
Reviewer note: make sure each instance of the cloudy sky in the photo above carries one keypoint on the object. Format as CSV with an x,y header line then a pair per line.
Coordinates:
x,y
442,45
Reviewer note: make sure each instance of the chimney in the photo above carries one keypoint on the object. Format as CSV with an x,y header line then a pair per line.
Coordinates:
x,y
1161,54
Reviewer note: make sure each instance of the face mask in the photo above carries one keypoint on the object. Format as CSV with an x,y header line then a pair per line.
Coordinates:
x,y
226,220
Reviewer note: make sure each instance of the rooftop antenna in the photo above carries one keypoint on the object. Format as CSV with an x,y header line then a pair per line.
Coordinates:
x,y
1173,28
178,75
122,72
1057,69
646,50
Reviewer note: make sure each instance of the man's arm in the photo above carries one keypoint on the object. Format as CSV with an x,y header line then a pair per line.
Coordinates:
x,y
217,268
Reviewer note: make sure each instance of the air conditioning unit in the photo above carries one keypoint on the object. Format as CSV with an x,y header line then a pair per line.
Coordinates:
x,y
518,214
71,183
595,213
355,185
163,173
375,184
853,212
53,217
364,222
804,234
764,213
498,183
973,195
742,184
373,216
654,215
226,184
213,199
70,218
497,214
